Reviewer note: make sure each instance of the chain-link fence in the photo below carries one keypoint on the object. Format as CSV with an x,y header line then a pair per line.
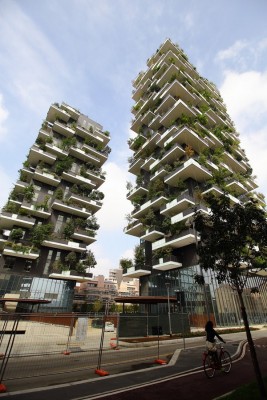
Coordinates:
x,y
69,347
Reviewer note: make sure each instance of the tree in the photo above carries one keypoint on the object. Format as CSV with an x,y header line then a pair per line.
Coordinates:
x,y
125,263
39,233
233,245
89,261
71,260
139,257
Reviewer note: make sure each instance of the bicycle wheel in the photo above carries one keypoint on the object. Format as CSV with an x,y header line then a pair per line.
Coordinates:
x,y
226,361
208,365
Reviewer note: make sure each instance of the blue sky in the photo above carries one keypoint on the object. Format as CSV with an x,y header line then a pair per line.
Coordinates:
x,y
87,53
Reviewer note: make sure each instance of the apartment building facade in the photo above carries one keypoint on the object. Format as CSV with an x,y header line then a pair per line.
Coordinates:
x,y
49,219
185,146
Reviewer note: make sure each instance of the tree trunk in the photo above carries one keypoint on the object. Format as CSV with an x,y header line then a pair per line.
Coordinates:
x,y
263,395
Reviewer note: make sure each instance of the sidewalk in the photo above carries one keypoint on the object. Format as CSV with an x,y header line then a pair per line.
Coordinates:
x,y
182,378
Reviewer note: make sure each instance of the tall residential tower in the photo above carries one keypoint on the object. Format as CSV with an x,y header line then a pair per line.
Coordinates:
x,y
49,218
185,147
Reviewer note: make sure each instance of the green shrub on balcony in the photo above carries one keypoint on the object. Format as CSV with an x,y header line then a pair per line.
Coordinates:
x,y
39,233
63,165
28,192
11,207
16,234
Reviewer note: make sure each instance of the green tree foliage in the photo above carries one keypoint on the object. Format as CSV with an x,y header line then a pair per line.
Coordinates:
x,y
39,233
233,245
125,263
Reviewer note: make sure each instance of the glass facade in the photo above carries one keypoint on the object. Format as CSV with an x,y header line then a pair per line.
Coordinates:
x,y
218,302
60,293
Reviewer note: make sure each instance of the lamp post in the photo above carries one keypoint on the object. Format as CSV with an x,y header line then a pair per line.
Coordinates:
x,y
169,310
190,222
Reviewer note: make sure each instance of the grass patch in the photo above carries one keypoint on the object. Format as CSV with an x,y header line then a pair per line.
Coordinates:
x,y
246,392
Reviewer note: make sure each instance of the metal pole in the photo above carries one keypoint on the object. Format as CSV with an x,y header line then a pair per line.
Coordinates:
x,y
169,310
201,271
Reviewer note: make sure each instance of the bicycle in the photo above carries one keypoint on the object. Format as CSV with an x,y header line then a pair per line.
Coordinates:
x,y
211,363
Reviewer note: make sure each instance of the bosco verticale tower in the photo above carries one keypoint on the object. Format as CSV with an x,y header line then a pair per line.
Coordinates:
x,y
49,219
185,147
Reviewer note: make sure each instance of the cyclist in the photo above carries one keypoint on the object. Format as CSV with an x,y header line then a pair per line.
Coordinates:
x,y
210,340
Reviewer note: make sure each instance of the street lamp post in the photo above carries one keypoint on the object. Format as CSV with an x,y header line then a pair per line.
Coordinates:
x,y
169,310
190,222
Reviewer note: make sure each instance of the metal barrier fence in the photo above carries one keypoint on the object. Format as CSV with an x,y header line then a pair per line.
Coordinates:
x,y
46,349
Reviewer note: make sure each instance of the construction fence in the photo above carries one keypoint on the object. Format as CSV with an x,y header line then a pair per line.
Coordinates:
x,y
54,348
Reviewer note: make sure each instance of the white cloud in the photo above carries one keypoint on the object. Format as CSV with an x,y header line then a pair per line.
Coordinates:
x,y
30,62
245,95
3,117
115,205
6,186
232,51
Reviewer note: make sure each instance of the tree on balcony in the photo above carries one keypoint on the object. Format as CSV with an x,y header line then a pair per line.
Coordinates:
x,y
125,264
139,257
89,261
39,233
71,260
16,234
28,192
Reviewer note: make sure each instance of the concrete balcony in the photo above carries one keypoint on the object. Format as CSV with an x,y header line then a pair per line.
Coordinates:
x,y
135,166
84,236
185,238
137,123
94,205
176,111
173,154
189,212
214,190
136,273
70,209
150,144
63,244
8,220
165,105
136,191
82,155
99,155
46,177
147,163
190,169
160,173
177,90
154,204
70,110
96,135
155,123
36,155
236,186
56,112
34,210
191,138
25,252
141,88
78,179
166,135
56,150
98,179
177,205
235,165
167,263
135,229
152,234
63,129
147,118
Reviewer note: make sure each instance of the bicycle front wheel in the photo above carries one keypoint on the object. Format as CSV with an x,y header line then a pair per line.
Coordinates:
x,y
226,362
209,367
